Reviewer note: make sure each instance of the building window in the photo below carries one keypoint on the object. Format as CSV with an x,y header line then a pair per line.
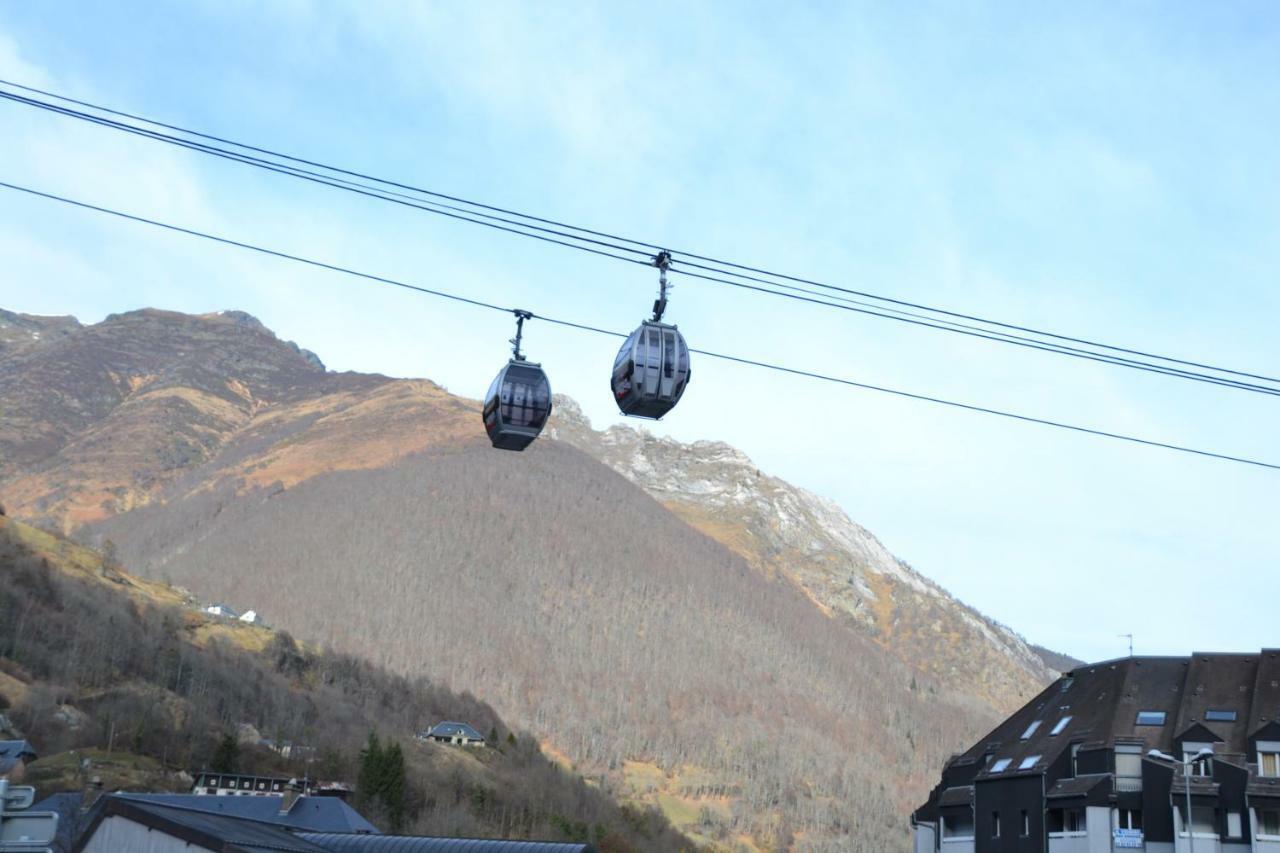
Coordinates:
x,y
1075,760
1026,824
1031,729
1060,725
1129,767
995,824
1150,718
1063,822
1269,825
1235,828
1129,818
1269,763
957,827
1203,820
1029,762
1001,765
1213,716
1202,767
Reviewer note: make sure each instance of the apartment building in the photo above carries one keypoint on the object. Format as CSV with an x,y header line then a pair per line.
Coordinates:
x,y
1074,770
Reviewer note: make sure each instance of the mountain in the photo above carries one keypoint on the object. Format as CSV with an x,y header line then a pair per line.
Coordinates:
x,y
685,629
784,530
129,675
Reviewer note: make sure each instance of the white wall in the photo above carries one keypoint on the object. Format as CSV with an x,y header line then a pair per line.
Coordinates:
x,y
1069,844
1098,822
116,834
926,838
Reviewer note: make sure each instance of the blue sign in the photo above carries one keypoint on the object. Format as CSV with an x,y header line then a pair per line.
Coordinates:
x,y
1127,838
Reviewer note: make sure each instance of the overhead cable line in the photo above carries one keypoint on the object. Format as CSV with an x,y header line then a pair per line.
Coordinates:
x,y
524,222
598,330
516,228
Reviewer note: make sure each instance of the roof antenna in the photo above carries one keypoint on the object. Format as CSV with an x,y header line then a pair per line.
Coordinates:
x,y
521,316
1130,636
662,261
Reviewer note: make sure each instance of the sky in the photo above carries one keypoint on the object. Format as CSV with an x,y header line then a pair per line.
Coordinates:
x,y
1098,169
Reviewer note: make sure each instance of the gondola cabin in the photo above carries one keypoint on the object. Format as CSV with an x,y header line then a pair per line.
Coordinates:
x,y
517,405
651,371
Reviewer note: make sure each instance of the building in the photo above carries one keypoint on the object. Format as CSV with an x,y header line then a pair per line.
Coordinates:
x,y
222,610
15,755
1071,771
252,617
455,733
139,822
241,785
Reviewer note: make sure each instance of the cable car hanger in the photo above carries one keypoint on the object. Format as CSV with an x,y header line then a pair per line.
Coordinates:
x,y
521,316
662,261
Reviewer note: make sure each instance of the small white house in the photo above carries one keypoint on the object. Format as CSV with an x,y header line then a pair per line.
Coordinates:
x,y
221,610
251,616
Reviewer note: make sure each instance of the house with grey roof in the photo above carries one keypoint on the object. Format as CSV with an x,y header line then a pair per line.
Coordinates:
x,y
454,733
1107,757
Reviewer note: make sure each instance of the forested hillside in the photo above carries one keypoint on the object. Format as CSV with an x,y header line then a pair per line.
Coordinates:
x,y
120,670
558,590
687,631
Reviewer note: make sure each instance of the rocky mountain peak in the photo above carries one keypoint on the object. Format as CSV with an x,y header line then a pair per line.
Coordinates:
x,y
19,330
785,530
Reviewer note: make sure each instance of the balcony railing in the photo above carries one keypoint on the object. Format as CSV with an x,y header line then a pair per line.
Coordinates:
x,y
1128,784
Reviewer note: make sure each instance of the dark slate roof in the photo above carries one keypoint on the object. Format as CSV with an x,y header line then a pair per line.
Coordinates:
x,y
1220,683
1078,786
13,751
1103,699
451,729
406,844
1266,691
216,832
317,814
958,796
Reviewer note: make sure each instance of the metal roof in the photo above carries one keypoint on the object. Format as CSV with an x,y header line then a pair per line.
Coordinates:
x,y
316,814
407,844
217,832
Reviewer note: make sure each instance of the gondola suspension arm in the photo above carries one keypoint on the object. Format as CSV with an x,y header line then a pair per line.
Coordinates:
x,y
521,316
662,261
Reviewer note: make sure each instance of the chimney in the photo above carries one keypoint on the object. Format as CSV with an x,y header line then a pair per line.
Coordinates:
x,y
292,792
92,792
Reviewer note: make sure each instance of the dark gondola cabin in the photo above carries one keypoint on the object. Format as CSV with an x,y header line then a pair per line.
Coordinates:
x,y
651,371
517,405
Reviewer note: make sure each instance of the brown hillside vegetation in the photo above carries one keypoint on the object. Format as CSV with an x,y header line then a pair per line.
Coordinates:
x,y
766,669
561,592
102,663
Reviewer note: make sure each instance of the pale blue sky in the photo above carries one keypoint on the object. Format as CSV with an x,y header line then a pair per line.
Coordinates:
x,y
1106,169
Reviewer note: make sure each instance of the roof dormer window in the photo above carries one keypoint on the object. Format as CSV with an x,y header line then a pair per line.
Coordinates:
x,y
1150,718
1031,729
1213,716
1029,762
1001,765
1060,725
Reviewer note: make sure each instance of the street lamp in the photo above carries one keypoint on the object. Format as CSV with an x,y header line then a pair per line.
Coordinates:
x,y
1186,782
